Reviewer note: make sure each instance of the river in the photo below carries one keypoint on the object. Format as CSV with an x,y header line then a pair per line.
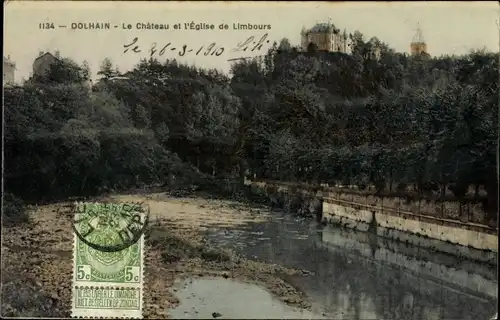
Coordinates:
x,y
356,275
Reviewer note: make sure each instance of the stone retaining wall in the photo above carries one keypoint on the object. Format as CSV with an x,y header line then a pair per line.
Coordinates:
x,y
390,221
450,236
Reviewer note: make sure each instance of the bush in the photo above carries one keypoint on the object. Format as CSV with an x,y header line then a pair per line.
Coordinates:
x,y
401,187
379,185
14,211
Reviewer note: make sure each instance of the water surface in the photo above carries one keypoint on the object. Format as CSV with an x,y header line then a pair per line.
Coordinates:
x,y
231,299
360,276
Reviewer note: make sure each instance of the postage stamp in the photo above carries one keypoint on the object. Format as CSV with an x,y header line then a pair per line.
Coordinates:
x,y
108,259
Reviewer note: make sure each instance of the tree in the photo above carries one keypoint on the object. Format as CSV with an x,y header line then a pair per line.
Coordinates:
x,y
63,70
86,70
375,117
106,69
312,47
285,45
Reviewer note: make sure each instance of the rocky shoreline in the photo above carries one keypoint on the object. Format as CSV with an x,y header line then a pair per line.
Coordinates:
x,y
37,257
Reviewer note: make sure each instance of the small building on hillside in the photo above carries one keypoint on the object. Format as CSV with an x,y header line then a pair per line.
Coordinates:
x,y
42,63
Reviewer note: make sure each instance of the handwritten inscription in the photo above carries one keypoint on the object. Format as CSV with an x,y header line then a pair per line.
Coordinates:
x,y
251,44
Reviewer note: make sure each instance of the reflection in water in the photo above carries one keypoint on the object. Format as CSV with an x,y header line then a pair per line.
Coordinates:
x,y
359,276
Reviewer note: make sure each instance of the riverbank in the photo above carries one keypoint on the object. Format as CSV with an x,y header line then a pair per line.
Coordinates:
x,y
387,219
357,275
37,257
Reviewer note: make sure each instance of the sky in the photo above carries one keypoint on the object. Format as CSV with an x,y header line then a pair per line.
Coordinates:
x,y
447,27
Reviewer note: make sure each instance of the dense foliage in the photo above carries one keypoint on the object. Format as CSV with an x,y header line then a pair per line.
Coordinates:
x,y
371,118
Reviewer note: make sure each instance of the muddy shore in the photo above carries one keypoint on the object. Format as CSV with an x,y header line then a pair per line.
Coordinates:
x,y
37,257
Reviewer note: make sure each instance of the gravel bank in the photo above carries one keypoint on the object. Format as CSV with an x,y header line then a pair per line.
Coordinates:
x,y
37,258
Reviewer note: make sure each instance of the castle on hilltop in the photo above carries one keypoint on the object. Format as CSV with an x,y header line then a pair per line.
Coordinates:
x,y
325,37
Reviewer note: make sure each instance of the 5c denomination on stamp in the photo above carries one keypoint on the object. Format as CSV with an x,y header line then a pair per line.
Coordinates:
x,y
108,259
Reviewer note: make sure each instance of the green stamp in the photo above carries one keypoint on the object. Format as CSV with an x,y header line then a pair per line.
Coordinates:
x,y
107,247
98,266
108,257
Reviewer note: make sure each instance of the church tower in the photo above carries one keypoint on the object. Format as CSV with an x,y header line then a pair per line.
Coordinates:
x,y
418,45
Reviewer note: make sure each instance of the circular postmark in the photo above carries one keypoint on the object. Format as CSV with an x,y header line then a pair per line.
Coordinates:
x,y
109,227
